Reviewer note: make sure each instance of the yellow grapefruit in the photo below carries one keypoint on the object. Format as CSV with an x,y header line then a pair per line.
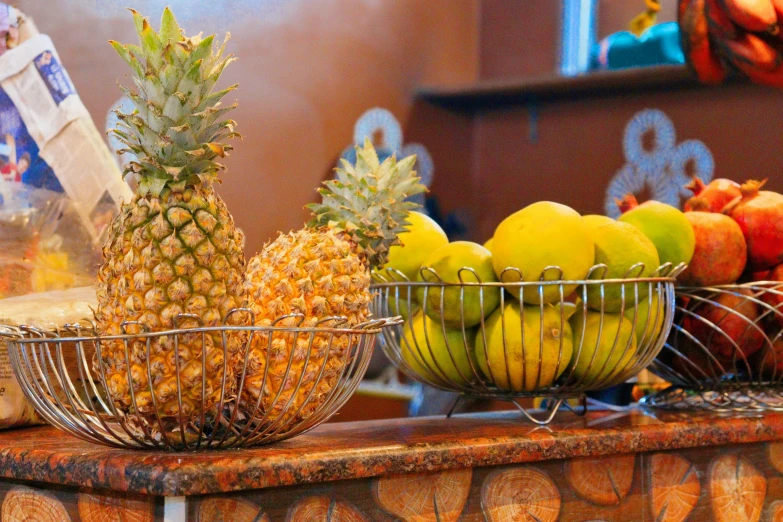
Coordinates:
x,y
423,237
538,236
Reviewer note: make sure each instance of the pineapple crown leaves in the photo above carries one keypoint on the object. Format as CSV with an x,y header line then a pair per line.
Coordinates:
x,y
367,201
178,129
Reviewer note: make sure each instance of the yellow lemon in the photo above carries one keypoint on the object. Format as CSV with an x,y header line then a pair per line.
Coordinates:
x,y
488,244
523,362
608,346
649,319
423,237
540,235
438,354
459,305
401,301
596,219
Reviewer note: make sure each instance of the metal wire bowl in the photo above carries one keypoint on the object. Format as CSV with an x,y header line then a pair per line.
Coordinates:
x,y
56,372
725,350
447,352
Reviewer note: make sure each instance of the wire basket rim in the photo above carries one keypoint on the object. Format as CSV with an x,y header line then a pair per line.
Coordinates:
x,y
665,273
25,334
730,286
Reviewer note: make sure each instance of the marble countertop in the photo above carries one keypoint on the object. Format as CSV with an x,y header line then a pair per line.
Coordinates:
x,y
367,449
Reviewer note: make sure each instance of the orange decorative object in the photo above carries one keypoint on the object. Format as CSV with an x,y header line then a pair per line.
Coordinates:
x,y
430,497
520,495
737,489
674,487
605,481
723,37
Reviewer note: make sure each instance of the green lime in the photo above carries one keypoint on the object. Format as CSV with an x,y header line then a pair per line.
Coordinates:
x,y
620,246
668,229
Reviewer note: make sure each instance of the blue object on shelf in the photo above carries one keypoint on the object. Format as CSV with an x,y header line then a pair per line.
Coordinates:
x,y
658,45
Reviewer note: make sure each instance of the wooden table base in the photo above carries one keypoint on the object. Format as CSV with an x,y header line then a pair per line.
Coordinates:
x,y
569,473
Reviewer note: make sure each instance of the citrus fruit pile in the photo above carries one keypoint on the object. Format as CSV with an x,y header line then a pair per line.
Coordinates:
x,y
524,337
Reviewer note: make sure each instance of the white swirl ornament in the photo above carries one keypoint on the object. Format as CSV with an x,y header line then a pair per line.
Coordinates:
x,y
378,120
664,139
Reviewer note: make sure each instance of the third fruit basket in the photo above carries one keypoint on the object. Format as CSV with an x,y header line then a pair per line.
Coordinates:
x,y
725,350
547,337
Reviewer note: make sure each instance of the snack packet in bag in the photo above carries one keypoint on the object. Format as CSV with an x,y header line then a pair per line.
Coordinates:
x,y
59,184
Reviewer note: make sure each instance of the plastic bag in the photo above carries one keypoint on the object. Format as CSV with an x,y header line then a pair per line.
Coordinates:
x,y
59,184
59,189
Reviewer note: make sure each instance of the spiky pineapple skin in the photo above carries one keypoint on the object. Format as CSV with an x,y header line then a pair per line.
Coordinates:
x,y
316,273
179,253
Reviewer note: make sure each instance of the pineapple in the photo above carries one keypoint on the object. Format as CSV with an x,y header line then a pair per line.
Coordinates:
x,y
174,248
321,271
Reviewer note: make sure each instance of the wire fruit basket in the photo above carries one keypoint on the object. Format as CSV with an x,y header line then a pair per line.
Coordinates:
x,y
725,350
60,373
474,337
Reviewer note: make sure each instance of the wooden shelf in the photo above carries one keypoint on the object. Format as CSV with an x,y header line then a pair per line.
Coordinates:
x,y
500,93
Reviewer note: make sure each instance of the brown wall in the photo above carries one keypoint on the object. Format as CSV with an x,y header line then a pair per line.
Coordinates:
x,y
307,69
519,38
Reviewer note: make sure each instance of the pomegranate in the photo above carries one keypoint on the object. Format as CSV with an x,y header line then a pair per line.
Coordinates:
x,y
720,254
768,361
774,294
711,197
734,317
628,202
759,213
693,363
760,275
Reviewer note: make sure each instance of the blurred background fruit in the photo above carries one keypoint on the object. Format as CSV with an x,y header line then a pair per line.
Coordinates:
x,y
725,38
